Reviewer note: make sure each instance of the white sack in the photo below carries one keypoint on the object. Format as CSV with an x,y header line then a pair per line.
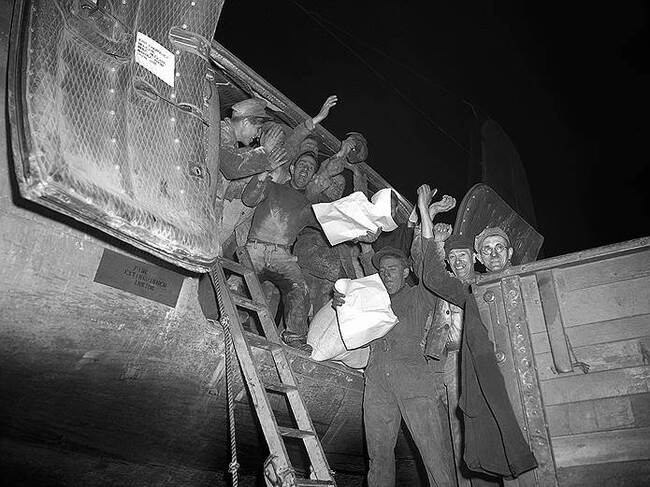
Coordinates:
x,y
366,314
353,216
325,339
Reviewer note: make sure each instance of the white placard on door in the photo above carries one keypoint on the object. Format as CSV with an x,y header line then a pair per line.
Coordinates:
x,y
155,58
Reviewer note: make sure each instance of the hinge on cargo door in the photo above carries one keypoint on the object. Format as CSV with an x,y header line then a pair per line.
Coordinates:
x,y
184,40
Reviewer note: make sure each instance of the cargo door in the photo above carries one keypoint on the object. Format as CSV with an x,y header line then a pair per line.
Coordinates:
x,y
115,119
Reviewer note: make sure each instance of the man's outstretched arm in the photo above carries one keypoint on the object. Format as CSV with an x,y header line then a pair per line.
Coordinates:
x,y
434,273
302,130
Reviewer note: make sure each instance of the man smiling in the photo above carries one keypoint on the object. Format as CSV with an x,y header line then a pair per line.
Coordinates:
x,y
281,212
400,381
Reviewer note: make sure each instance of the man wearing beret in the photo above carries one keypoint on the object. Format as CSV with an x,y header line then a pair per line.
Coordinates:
x,y
460,257
401,383
493,249
494,443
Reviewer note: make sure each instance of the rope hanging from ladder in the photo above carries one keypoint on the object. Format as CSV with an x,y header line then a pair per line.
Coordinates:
x,y
233,466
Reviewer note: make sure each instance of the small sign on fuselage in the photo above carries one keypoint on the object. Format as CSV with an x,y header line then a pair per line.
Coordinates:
x,y
138,277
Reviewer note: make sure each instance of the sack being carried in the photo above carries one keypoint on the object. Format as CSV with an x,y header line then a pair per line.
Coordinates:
x,y
353,216
325,338
366,314
343,335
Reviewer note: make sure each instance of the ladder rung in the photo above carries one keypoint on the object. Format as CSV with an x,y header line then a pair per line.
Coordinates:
x,y
258,341
285,388
313,483
294,433
235,267
266,345
247,303
244,341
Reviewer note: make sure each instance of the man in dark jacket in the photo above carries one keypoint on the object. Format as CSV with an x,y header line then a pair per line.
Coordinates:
x,y
494,443
400,381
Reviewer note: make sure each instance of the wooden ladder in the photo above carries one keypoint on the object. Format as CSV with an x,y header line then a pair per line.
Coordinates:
x,y
278,468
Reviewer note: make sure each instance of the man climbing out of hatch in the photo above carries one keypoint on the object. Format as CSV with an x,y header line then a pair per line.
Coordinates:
x,y
400,381
494,443
493,249
243,127
276,148
281,212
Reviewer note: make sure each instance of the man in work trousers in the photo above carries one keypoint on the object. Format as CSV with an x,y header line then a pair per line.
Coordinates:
x,y
400,382
460,257
282,211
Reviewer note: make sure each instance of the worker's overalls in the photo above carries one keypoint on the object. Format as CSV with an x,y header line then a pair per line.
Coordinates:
x,y
400,383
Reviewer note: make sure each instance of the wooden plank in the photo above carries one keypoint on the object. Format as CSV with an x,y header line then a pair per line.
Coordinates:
x,y
616,474
618,268
533,305
610,383
566,260
600,332
606,302
602,447
603,356
599,415
548,291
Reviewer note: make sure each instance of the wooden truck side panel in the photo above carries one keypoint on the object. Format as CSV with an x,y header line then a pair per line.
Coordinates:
x,y
598,422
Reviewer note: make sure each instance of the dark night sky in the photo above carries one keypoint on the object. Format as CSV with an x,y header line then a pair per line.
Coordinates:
x,y
568,83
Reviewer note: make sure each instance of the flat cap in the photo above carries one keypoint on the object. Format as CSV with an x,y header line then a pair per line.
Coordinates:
x,y
252,107
489,232
388,251
309,144
311,154
456,242
359,152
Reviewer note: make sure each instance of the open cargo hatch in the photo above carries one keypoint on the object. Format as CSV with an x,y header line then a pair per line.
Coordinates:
x,y
115,119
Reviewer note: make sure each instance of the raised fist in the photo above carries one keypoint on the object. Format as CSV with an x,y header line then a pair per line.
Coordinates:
x,y
441,231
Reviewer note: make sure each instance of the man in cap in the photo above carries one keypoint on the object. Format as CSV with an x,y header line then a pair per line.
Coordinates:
x,y
281,212
245,125
493,249
279,144
329,174
400,381
460,257
494,443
